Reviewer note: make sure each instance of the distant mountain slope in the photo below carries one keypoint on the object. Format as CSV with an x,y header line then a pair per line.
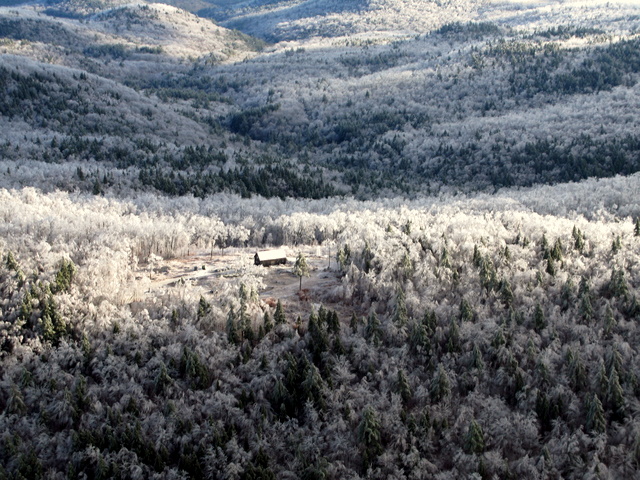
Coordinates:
x,y
296,19
290,20
187,106
178,32
120,31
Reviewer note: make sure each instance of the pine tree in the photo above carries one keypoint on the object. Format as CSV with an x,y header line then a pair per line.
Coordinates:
x,y
406,266
636,228
64,277
615,396
333,322
11,262
577,371
596,423
506,293
474,442
267,323
466,312
279,317
618,286
403,387
373,329
556,252
300,268
609,322
367,257
430,322
353,323
453,339
232,332
445,262
440,386
418,338
566,294
312,385
477,257
478,361
616,245
586,310
551,267
544,247
400,315
578,239
369,437
602,381
539,322
203,308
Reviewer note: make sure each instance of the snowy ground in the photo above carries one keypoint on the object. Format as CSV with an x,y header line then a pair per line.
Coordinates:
x,y
214,273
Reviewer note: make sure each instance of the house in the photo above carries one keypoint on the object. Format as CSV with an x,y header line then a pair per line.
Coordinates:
x,y
270,257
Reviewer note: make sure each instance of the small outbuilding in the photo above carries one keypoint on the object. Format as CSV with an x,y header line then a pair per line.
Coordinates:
x,y
270,257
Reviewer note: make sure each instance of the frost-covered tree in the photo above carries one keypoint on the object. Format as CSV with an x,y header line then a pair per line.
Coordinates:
x,y
300,268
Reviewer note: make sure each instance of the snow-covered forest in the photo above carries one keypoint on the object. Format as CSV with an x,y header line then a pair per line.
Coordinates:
x,y
478,335
456,181
152,97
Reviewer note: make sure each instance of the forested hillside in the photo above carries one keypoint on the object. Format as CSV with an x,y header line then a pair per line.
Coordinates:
x,y
476,336
164,100
455,185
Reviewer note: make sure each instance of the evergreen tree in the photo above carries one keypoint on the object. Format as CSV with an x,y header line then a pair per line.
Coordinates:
x,y
406,266
551,267
203,308
586,310
478,362
616,245
403,387
615,396
596,423
64,276
577,371
539,322
445,262
602,381
418,338
373,329
544,247
400,315
300,268
440,386
232,331
506,293
353,323
279,316
367,257
556,252
333,322
609,322
11,262
566,294
369,437
474,442
453,339
578,239
477,257
267,323
319,342
466,312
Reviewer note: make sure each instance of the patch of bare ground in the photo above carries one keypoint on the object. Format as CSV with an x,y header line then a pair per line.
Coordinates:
x,y
210,272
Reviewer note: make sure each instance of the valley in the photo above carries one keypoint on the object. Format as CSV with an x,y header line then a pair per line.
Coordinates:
x,y
461,177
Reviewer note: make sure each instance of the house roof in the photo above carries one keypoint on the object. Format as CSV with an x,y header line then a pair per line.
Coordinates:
x,y
266,255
